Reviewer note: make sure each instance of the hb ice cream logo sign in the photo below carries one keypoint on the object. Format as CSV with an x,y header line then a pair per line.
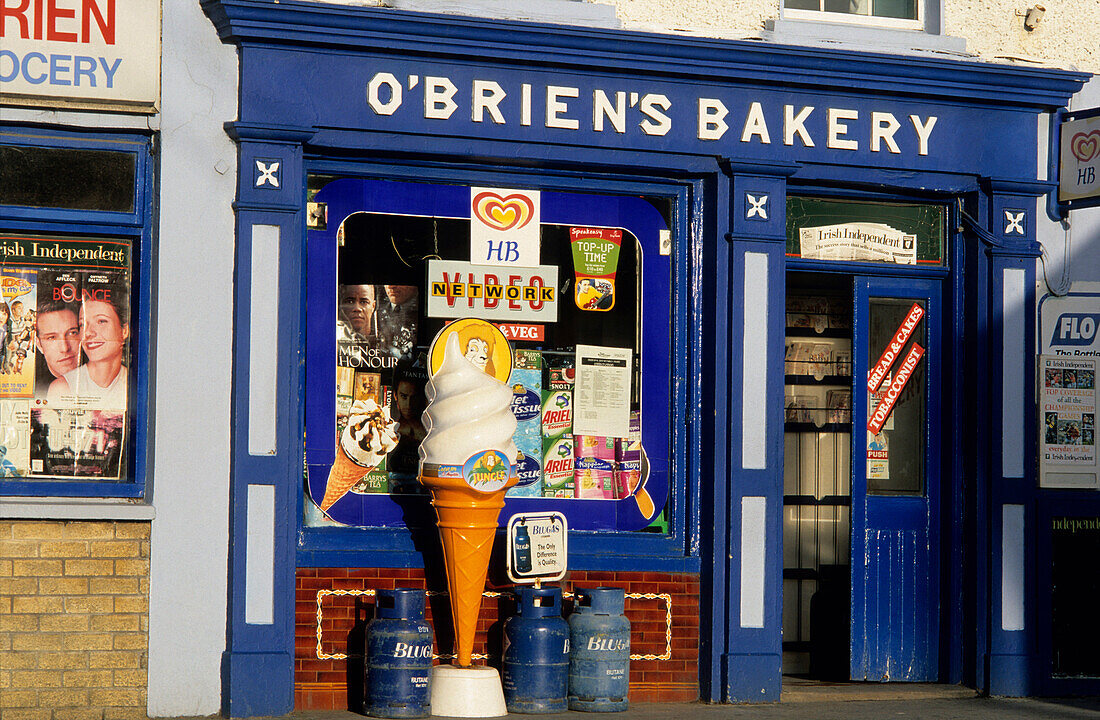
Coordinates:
x,y
504,227
1080,166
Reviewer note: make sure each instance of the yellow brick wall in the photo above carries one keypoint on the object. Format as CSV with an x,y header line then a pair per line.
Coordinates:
x,y
74,620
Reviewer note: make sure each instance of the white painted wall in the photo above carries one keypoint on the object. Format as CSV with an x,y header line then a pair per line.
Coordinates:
x,y
193,337
993,29
1072,247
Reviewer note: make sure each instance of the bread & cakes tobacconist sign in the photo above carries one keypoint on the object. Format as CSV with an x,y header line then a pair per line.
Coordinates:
x,y
86,53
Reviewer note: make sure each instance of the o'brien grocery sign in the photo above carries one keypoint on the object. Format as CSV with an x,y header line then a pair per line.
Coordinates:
x,y
87,52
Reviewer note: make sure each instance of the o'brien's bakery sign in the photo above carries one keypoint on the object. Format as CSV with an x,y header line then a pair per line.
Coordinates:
x,y
87,52
630,110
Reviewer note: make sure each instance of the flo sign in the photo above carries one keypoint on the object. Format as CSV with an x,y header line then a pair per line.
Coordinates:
x,y
91,53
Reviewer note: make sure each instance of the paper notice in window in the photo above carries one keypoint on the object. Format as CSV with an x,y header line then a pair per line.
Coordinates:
x,y
601,395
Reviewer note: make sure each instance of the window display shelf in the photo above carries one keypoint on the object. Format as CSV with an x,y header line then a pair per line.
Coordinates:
x,y
833,427
800,379
809,332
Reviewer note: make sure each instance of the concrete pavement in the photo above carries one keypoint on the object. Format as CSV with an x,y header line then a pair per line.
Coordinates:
x,y
837,702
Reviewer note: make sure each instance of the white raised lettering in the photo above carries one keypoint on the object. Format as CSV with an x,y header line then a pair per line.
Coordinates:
x,y
602,107
439,95
883,127
796,125
924,131
525,104
712,123
837,129
487,97
756,125
656,122
374,98
555,108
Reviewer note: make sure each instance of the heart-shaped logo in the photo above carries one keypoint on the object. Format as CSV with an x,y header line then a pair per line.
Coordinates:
x,y
1085,146
503,213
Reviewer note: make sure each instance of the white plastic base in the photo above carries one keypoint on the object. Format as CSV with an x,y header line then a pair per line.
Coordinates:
x,y
467,692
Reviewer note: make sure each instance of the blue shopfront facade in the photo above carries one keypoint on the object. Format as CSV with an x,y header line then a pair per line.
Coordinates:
x,y
701,152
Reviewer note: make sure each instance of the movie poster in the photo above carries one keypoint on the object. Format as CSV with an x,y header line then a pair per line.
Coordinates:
x,y
378,380
64,357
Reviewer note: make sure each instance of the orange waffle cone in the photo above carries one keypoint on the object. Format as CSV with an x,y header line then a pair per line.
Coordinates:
x,y
341,478
467,527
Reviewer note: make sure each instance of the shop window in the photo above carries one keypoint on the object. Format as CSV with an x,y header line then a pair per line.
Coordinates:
x,y
587,316
71,227
866,232
907,14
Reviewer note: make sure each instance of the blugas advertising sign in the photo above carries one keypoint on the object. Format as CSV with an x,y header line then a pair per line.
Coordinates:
x,y
93,53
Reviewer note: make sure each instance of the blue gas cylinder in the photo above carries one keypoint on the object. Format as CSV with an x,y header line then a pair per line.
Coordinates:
x,y
536,653
398,656
599,658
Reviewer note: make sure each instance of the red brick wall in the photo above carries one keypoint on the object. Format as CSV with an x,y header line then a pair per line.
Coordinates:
x,y
333,684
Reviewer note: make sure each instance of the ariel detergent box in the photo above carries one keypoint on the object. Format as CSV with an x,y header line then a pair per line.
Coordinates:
x,y
557,434
526,382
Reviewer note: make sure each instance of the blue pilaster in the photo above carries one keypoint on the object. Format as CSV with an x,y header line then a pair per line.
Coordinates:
x,y
258,665
1012,253
753,656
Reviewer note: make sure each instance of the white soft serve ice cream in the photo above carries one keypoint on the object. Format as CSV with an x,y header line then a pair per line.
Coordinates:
x,y
468,412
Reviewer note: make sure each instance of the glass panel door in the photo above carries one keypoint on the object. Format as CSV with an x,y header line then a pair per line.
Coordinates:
x,y
896,481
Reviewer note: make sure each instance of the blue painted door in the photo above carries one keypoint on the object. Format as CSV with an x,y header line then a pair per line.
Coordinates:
x,y
896,480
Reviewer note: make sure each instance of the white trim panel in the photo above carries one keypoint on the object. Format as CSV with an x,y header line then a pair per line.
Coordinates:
x,y
263,340
1042,152
1012,567
1013,372
259,556
753,560
754,364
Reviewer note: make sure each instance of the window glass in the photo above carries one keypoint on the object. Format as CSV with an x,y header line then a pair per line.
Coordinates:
x,y
573,322
847,231
67,178
64,357
888,10
896,444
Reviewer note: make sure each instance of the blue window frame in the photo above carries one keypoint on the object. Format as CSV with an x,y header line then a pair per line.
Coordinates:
x,y
75,229
607,531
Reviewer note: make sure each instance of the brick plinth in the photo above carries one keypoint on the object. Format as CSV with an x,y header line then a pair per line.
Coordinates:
x,y
74,620
322,683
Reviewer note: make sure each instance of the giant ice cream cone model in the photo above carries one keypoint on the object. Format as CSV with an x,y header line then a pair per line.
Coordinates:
x,y
466,464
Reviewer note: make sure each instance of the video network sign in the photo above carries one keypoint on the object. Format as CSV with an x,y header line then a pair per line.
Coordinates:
x,y
93,52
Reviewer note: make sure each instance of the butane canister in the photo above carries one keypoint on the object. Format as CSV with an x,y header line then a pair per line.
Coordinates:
x,y
599,658
398,656
536,653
